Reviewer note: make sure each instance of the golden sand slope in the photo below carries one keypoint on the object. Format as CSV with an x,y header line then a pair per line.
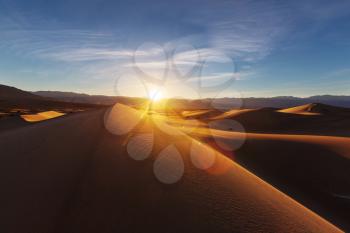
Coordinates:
x,y
317,167
201,114
338,144
195,112
41,116
231,113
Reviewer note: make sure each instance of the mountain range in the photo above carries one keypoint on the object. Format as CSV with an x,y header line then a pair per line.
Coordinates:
x,y
250,102
11,94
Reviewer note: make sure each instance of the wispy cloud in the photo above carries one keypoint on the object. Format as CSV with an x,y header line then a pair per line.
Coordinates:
x,y
246,30
225,76
87,54
41,42
242,30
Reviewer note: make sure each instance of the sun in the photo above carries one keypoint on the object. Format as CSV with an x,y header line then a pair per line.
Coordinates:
x,y
156,95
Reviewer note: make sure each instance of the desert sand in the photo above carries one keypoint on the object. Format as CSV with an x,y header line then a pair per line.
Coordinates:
x,y
41,116
317,109
71,174
312,169
302,110
310,119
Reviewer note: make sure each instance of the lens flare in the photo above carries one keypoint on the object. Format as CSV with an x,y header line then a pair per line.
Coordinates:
x,y
155,95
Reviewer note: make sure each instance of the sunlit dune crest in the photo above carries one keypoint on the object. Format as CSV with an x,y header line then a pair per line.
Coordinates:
x,y
194,113
232,113
302,110
317,109
201,114
202,156
163,126
41,116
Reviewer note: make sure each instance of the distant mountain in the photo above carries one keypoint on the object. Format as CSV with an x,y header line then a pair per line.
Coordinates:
x,y
252,102
285,102
72,97
7,92
78,97
14,98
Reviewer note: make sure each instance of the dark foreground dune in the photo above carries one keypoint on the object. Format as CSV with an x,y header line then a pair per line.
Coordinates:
x,y
12,122
72,175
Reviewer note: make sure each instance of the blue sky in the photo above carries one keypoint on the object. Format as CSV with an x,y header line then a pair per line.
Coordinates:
x,y
193,48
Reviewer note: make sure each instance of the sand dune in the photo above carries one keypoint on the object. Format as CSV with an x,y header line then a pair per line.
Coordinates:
x,y
268,120
13,122
317,119
18,107
317,109
200,114
303,110
265,119
213,114
87,182
312,169
41,116
231,113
